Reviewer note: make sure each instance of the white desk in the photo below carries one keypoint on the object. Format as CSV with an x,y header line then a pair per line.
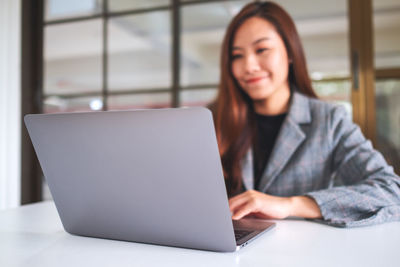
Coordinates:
x,y
33,236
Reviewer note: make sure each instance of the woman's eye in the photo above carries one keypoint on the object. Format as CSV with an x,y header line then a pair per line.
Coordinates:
x,y
260,50
236,56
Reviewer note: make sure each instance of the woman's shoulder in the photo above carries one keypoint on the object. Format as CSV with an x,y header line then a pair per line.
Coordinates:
x,y
323,109
330,121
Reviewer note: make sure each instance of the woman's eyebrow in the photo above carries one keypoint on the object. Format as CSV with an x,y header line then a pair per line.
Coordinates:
x,y
260,40
254,43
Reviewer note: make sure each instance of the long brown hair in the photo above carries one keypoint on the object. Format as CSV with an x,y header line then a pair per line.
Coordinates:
x,y
233,109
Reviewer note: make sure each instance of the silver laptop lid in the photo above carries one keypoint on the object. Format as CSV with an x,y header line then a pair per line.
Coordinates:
x,y
151,176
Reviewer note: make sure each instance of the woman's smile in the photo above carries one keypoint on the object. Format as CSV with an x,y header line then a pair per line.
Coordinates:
x,y
254,80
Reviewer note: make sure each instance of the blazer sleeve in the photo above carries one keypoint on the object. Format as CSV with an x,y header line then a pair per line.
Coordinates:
x,y
371,190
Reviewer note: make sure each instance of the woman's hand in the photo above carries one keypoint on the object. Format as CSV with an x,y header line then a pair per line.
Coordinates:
x,y
271,207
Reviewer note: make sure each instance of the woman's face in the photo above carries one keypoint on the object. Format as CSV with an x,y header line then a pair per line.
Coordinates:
x,y
259,59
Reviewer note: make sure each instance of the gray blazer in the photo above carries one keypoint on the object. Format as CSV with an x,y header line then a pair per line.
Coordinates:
x,y
321,153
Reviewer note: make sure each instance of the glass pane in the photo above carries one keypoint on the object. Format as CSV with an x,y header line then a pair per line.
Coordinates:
x,y
323,29
197,97
56,104
388,120
139,101
122,5
139,55
387,33
336,91
61,9
73,57
202,38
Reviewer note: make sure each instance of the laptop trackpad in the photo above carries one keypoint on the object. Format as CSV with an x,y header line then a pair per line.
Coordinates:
x,y
252,227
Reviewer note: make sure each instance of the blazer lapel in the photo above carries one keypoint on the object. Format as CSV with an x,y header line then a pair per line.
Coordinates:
x,y
289,139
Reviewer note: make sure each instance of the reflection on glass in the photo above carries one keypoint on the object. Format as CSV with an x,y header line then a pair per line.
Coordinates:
x,y
386,33
61,9
388,120
139,51
73,57
323,29
198,97
55,104
123,5
139,101
202,38
337,91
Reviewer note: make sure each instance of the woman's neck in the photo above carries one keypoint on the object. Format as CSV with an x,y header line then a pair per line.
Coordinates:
x,y
275,104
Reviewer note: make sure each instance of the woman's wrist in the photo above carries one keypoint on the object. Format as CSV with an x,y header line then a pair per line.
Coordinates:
x,y
305,207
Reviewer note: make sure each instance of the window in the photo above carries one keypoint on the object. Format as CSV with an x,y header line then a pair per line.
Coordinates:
x,y
386,15
122,54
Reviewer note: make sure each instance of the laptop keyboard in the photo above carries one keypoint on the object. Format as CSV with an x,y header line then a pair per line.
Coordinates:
x,y
239,234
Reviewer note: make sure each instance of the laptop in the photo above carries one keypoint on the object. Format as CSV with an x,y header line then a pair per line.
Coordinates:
x,y
149,176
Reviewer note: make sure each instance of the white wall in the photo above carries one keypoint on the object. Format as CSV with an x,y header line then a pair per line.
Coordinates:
x,y
10,107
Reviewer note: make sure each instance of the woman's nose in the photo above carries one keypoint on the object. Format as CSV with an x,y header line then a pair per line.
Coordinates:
x,y
251,64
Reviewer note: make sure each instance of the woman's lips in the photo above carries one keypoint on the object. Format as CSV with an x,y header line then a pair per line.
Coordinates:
x,y
254,80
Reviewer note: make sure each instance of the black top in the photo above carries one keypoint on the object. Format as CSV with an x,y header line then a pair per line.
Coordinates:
x,y
267,129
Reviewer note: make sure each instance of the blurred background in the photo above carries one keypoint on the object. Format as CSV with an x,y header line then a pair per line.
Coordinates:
x,y
90,55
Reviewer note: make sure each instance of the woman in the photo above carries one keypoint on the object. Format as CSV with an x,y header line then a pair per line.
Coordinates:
x,y
284,152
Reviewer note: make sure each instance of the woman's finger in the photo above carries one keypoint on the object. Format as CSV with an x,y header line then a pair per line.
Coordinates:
x,y
243,210
237,201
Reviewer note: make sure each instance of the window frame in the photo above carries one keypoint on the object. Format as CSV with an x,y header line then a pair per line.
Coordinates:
x,y
33,24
